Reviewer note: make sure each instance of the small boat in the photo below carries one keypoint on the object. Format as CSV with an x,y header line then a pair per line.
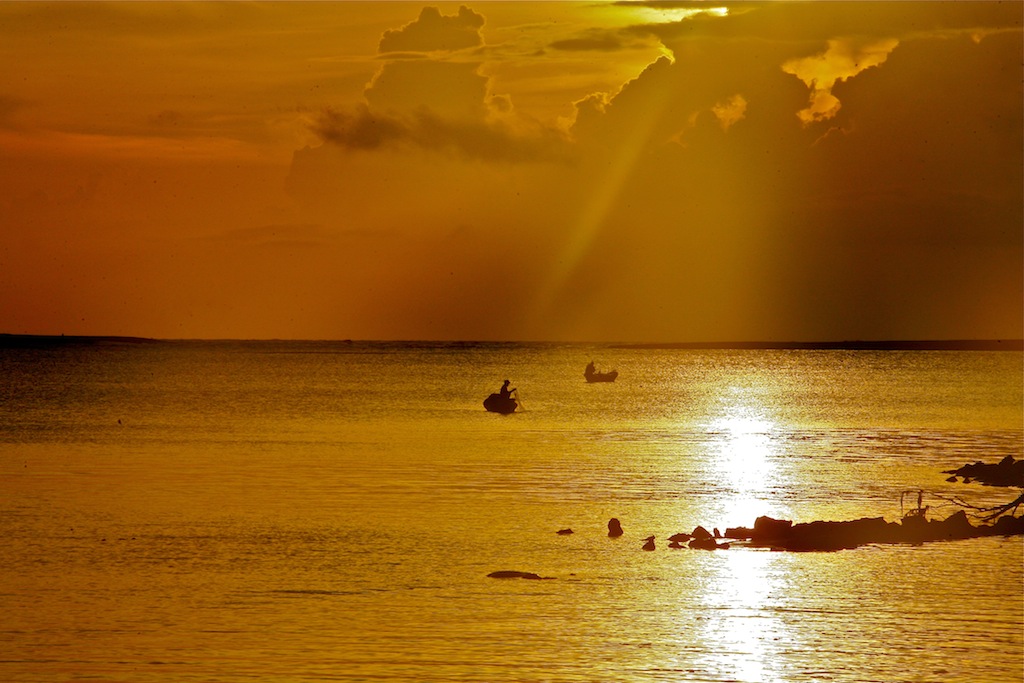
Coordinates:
x,y
592,375
496,403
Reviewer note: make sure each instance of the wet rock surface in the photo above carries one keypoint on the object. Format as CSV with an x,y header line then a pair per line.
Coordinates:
x,y
913,529
1007,472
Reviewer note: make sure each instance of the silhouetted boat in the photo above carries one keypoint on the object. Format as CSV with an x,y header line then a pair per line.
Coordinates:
x,y
496,403
592,375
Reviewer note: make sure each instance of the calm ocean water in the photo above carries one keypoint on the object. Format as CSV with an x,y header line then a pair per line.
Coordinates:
x,y
289,511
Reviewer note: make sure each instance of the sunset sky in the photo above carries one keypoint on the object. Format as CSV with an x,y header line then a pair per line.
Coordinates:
x,y
585,171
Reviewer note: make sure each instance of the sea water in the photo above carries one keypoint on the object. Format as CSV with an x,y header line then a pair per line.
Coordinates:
x,y
306,511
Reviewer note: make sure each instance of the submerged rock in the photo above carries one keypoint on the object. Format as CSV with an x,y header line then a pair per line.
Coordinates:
x,y
512,574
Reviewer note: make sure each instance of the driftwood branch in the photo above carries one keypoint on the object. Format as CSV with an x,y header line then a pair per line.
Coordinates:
x,y
987,514
1007,472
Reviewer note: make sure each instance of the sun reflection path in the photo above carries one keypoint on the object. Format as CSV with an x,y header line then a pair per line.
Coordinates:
x,y
747,456
742,593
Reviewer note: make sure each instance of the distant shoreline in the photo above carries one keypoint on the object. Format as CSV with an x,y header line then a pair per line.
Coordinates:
x,y
888,345
18,341
8,341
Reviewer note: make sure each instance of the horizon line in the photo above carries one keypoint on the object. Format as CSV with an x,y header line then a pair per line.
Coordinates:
x,y
8,340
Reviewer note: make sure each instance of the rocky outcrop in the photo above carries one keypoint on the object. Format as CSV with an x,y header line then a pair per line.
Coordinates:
x,y
825,536
1007,472
914,528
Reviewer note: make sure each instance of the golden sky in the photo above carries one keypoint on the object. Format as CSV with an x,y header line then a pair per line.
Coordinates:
x,y
603,171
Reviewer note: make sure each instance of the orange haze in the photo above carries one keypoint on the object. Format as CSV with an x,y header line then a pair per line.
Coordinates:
x,y
512,170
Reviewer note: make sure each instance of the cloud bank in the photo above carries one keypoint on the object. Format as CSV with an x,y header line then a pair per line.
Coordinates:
x,y
433,31
772,179
599,171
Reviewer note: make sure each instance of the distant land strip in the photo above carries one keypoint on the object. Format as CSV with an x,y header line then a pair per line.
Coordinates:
x,y
36,341
891,345
43,341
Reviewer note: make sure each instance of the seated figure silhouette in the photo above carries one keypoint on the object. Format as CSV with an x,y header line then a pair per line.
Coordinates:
x,y
505,392
502,401
614,528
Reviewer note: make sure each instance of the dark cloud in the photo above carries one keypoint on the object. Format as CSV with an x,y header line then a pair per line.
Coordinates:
x,y
600,114
358,128
604,42
363,129
857,222
433,31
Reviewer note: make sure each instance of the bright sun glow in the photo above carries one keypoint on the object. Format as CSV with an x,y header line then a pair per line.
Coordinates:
x,y
746,447
669,15
747,454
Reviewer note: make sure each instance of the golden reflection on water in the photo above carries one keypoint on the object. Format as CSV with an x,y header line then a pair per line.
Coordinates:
x,y
740,594
745,455
347,532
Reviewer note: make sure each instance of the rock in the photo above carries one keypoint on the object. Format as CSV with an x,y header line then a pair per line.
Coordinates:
x,y
956,526
1009,526
1007,472
837,535
820,535
767,530
701,533
512,574
679,537
915,528
740,533
614,528
564,532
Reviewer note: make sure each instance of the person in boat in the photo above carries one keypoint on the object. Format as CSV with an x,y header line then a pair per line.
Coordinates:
x,y
505,392
590,369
